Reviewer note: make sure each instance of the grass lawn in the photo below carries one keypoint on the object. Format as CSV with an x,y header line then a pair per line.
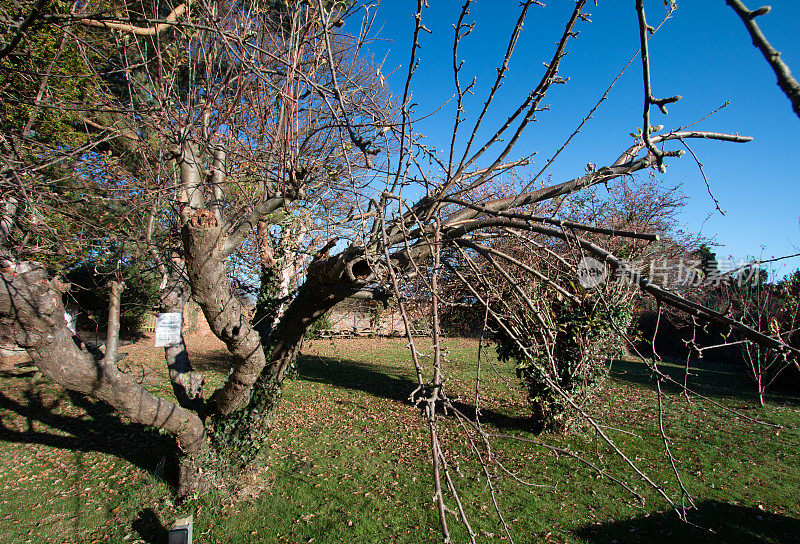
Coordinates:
x,y
348,460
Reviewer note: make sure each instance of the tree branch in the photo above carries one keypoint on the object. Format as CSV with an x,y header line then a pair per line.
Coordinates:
x,y
157,28
31,312
112,332
787,83
643,283
246,225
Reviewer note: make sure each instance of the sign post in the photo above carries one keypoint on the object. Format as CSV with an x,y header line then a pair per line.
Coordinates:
x,y
181,532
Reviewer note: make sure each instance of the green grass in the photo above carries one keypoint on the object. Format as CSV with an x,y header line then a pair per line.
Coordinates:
x,y
348,461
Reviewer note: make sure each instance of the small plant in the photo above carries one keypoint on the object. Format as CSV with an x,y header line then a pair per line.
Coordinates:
x,y
563,371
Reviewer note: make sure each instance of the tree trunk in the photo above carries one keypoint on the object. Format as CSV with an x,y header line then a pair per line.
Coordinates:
x,y
112,331
32,314
278,274
239,423
313,300
186,384
239,435
226,316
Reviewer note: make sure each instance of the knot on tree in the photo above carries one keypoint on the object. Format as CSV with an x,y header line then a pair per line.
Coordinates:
x,y
361,271
203,219
60,285
30,306
358,270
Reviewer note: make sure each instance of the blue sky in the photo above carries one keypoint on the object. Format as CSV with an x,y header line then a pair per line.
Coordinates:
x,y
702,53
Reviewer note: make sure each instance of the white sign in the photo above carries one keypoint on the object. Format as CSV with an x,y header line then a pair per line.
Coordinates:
x,y
72,320
168,329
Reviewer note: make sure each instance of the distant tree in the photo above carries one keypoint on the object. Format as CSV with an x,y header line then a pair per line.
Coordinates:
x,y
773,308
572,333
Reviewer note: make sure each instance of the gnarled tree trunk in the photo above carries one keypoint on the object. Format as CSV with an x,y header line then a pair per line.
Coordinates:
x,y
227,317
32,315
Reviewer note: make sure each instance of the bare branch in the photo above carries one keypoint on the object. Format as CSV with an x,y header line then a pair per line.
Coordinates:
x,y
247,224
787,83
112,333
115,24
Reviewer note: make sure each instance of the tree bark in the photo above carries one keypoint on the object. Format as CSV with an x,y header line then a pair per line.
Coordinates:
x,y
328,281
313,299
32,314
226,316
186,383
112,332
239,435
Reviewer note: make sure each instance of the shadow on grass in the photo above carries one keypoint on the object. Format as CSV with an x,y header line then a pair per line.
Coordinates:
x,y
712,523
102,431
149,527
350,374
705,377
219,361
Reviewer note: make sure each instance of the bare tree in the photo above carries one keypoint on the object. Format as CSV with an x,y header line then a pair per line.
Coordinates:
x,y
767,307
208,126
213,129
